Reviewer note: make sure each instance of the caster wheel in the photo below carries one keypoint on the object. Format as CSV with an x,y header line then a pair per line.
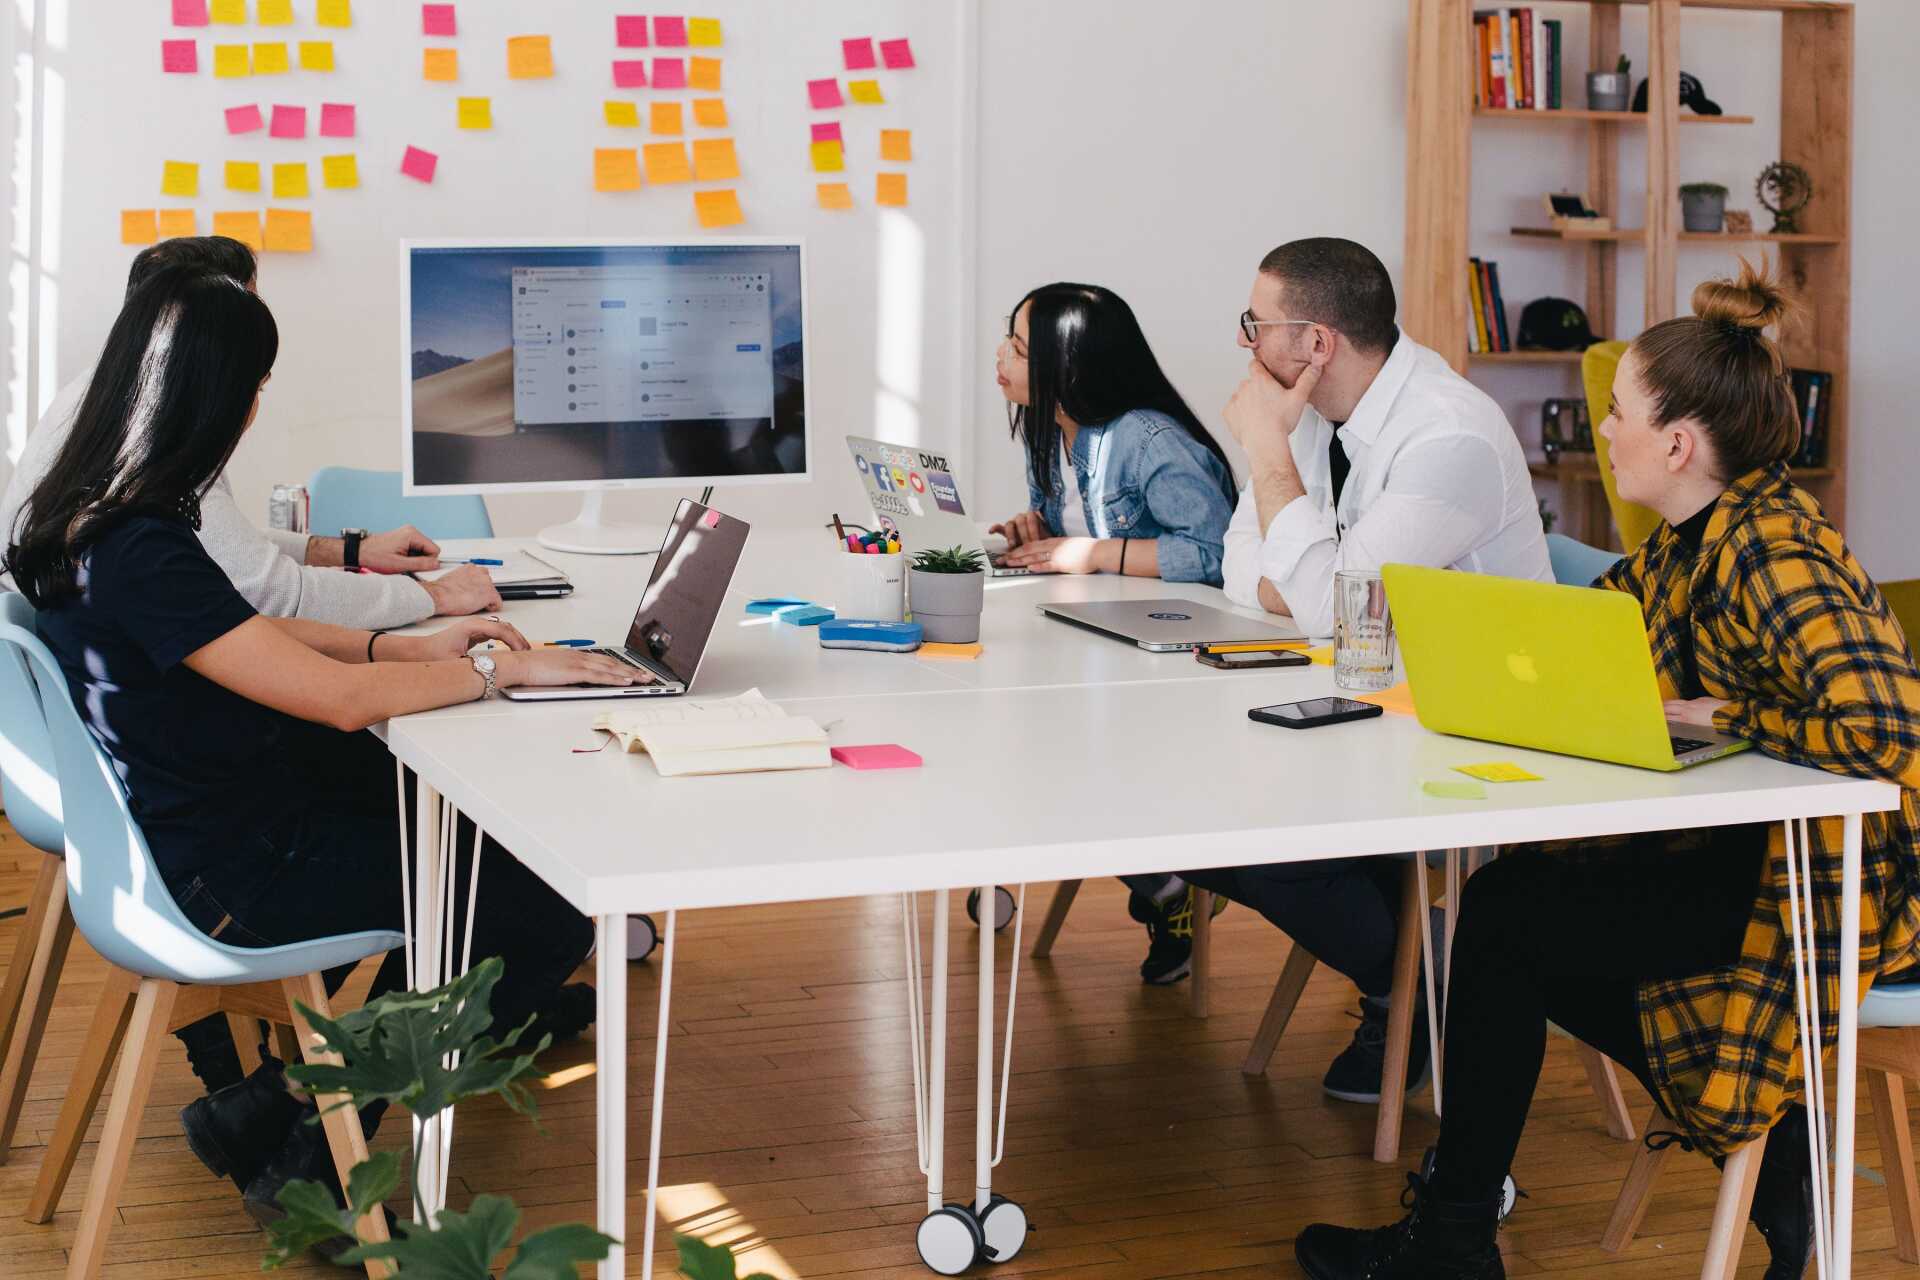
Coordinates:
x,y
1004,1225
1002,907
949,1240
642,937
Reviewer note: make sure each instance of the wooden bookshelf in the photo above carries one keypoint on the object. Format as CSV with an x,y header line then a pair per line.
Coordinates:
x,y
1816,132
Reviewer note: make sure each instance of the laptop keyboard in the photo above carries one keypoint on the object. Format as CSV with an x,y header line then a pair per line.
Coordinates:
x,y
1683,745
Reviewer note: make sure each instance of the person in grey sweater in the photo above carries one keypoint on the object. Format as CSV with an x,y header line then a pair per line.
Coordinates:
x,y
281,574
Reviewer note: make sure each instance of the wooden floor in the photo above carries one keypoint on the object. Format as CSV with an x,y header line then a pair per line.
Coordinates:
x,y
1134,1143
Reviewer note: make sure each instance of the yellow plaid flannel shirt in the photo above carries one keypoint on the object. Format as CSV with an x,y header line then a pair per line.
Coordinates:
x,y
1788,629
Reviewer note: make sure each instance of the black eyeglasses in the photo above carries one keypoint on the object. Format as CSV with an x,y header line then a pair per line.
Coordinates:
x,y
1252,327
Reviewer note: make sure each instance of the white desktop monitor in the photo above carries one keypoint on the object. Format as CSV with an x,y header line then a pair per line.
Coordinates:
x,y
589,365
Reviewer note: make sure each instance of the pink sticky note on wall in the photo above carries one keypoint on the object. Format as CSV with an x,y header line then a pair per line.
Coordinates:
x,y
288,122
878,756
179,57
630,73
670,33
438,20
858,53
669,73
189,13
244,119
336,120
630,30
897,54
828,132
824,94
419,164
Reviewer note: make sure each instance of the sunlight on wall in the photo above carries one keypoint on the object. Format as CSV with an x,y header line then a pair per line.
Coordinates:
x,y
900,319
33,308
700,1209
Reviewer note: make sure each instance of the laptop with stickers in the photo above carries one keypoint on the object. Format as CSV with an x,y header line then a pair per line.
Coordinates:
x,y
914,493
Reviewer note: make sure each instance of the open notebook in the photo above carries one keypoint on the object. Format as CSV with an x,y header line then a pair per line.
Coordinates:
x,y
521,569
746,734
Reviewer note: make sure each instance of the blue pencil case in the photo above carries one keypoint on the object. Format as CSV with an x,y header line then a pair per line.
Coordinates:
x,y
885,637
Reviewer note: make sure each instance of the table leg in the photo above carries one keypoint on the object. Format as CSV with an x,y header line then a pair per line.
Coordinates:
x,y
1844,1087
937,1056
660,1091
425,922
610,1084
983,1085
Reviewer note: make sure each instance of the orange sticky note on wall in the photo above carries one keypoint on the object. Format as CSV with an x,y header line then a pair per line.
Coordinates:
x,y
243,175
896,145
180,178
139,226
177,222
703,73
834,195
440,64
290,181
529,57
829,156
316,55
665,118
289,231
890,189
230,61
718,208
616,169
710,113
714,160
667,162
339,173
622,115
243,226
270,59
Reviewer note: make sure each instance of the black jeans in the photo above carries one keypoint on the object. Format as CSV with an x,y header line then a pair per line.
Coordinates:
x,y
1346,911
333,866
1567,936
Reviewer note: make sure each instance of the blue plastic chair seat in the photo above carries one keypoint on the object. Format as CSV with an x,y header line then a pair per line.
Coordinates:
x,y
1575,564
1892,1005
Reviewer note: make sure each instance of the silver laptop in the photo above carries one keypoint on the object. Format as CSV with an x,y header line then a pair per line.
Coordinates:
x,y
1169,626
915,492
677,611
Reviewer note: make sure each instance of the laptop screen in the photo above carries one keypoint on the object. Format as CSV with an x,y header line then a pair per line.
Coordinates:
x,y
689,584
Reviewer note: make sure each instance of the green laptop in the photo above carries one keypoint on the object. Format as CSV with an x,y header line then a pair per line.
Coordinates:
x,y
1530,664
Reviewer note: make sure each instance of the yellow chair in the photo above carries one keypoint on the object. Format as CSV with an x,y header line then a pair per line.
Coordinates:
x,y
1904,599
1633,521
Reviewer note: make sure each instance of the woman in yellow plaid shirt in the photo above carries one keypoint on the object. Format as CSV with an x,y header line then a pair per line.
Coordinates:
x,y
1670,952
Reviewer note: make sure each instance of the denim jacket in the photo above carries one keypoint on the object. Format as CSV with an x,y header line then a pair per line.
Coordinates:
x,y
1143,476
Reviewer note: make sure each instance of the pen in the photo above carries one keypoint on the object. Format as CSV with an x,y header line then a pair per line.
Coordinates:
x,y
475,560
566,644
839,530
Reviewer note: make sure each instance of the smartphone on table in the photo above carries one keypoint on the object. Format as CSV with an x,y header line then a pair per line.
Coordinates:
x,y
1314,712
1250,659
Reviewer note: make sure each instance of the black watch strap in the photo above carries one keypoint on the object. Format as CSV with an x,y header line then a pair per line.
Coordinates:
x,y
351,551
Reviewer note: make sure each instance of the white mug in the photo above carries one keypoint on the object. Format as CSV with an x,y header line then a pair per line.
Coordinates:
x,y
873,588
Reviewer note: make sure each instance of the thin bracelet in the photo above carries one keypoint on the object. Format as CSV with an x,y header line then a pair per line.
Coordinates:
x,y
1123,557
371,637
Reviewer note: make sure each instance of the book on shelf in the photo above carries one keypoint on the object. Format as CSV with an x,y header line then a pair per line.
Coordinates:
x,y
1519,67
1476,316
1498,305
1487,327
1812,398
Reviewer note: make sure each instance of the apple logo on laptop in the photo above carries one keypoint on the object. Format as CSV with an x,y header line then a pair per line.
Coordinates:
x,y
1521,665
1171,617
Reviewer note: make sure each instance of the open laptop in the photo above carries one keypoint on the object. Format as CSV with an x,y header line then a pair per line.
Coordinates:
x,y
677,611
914,492
1529,664
1170,626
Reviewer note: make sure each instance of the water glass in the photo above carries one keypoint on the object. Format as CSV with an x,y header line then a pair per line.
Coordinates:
x,y
1362,632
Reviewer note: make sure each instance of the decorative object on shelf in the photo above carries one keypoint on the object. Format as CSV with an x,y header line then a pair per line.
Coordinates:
x,y
1554,324
1691,95
1609,90
1783,191
1570,212
1737,222
1702,206
1565,428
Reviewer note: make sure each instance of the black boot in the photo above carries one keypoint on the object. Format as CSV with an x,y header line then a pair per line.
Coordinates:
x,y
1438,1240
236,1130
304,1155
1783,1197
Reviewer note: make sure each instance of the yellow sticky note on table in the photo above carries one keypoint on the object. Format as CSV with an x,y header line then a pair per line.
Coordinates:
x,y
665,118
230,61
440,64
961,651
829,156
703,33
476,113
1498,771
1443,790
834,195
718,208
339,173
529,57
1396,701
703,73
714,160
616,169
623,115
289,231
243,175
177,222
896,145
890,190
180,178
1321,657
270,59
290,180
667,162
333,13
139,226
276,13
866,91
316,55
710,113
243,226
231,13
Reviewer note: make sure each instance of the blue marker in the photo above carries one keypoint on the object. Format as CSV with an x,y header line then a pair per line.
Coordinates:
x,y
476,560
567,644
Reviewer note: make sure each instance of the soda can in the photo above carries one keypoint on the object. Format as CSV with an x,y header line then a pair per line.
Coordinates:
x,y
287,508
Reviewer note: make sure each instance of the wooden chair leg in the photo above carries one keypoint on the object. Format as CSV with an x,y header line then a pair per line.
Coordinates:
x,y
146,1030
1063,894
37,961
1896,1160
90,1073
246,1040
1406,978
285,1043
1286,995
1202,951
1730,1212
1606,1087
342,1122
1636,1193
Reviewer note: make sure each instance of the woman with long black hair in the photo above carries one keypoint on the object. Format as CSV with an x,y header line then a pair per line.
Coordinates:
x,y
1121,476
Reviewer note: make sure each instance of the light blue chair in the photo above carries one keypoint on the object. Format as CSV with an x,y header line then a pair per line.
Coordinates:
x,y
164,972
350,498
1575,564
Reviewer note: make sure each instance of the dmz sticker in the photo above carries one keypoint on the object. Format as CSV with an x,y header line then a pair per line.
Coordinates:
x,y
946,494
1171,617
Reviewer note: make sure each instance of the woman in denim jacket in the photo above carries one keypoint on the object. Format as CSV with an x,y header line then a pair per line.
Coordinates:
x,y
1121,476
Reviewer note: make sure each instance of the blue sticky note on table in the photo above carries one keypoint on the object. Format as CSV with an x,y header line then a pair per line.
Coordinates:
x,y
802,615
773,604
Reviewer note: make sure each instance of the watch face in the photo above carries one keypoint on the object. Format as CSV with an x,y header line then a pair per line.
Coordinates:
x,y
483,663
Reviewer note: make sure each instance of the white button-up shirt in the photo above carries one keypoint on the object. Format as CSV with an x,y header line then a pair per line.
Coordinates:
x,y
1438,479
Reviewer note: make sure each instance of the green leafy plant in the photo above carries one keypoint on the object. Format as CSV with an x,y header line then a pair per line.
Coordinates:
x,y
1623,66
952,560
1702,189
702,1261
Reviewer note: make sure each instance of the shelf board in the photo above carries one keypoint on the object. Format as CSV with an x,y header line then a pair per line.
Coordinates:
x,y
1635,234
1583,114
1584,467
1758,237
1525,357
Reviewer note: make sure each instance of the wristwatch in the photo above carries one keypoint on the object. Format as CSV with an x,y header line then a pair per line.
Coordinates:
x,y
484,665
352,539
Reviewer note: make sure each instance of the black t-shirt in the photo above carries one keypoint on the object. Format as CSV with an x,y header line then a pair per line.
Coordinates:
x,y
205,768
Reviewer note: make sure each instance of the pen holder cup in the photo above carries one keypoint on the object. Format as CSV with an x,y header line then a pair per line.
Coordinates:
x,y
873,588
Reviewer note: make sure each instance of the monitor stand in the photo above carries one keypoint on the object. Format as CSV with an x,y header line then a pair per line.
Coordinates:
x,y
588,534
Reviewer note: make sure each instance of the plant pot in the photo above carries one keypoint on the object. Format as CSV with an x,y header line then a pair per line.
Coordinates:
x,y
1703,210
947,605
1609,90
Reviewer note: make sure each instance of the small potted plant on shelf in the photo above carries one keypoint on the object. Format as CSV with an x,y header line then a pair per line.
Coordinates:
x,y
1703,205
947,590
1611,90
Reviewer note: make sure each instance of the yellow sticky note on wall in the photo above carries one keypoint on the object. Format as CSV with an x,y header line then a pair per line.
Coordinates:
x,y
177,222
867,91
230,61
440,64
180,178
316,55
138,226
270,59
529,57
829,156
276,13
714,160
333,13
289,231
243,175
704,73
339,173
476,113
616,169
622,115
834,195
710,113
232,13
896,145
718,208
243,226
665,118
703,33
890,190
290,181
667,162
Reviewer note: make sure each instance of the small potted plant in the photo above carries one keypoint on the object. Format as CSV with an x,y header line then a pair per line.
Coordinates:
x,y
1703,205
1611,90
947,590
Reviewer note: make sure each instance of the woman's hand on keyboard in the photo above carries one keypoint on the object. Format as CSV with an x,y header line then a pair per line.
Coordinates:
x,y
455,641
1694,710
550,667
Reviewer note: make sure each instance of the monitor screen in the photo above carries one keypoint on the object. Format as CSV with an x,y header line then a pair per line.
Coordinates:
x,y
606,365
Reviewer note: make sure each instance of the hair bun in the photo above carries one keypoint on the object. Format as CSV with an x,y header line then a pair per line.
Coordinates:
x,y
1754,301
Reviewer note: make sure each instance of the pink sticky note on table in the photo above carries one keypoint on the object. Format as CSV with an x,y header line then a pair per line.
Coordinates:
x,y
438,20
824,94
886,755
189,13
419,164
858,53
897,54
828,132
288,122
337,120
244,119
669,73
630,30
670,33
630,73
179,57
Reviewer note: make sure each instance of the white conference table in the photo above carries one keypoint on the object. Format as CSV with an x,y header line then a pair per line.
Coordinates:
x,y
1058,754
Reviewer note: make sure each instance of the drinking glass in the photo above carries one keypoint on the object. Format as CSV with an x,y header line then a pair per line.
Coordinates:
x,y
1362,631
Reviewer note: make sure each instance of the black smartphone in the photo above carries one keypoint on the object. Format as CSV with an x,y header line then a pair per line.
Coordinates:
x,y
1314,712
1251,659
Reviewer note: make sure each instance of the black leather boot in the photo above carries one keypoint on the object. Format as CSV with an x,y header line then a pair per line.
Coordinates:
x,y
1783,1197
236,1130
1438,1240
304,1155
